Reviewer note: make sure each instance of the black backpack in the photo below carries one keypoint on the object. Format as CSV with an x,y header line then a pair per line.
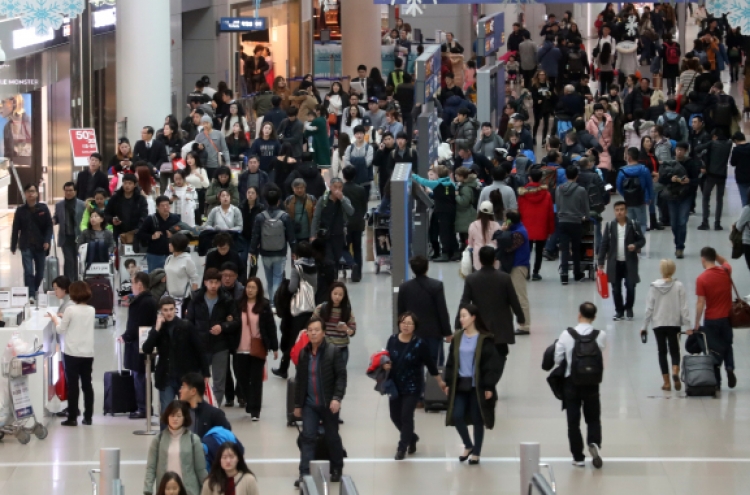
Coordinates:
x,y
575,62
587,363
671,128
596,202
632,191
723,111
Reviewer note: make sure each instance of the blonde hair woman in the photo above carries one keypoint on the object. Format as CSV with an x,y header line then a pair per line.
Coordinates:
x,y
667,311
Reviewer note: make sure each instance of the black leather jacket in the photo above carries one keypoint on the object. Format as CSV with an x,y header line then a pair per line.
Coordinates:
x,y
331,369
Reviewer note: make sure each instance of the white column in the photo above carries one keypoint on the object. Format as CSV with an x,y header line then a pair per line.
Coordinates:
x,y
360,36
143,64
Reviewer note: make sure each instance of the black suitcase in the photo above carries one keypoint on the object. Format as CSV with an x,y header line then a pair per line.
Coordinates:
x,y
119,390
434,397
291,419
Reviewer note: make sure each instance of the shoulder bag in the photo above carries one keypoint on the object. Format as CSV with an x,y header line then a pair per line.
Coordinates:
x,y
303,301
739,316
257,347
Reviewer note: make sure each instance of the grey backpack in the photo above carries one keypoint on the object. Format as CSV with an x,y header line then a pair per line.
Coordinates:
x,y
273,232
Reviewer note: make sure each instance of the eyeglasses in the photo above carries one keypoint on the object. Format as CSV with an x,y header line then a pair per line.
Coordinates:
x,y
407,323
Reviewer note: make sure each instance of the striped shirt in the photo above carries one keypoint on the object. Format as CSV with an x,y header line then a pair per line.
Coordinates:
x,y
334,334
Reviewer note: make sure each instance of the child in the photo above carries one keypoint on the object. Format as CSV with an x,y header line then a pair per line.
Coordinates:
x,y
512,68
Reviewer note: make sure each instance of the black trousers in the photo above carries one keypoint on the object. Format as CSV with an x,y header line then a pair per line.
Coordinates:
x,y
502,350
79,369
528,75
570,240
746,250
538,247
250,375
711,182
230,389
586,398
402,414
442,233
463,238
540,117
70,255
606,78
621,275
667,337
335,248
354,242
298,323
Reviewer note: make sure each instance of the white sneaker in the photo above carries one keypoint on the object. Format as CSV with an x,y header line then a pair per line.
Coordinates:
x,y
596,459
255,418
579,463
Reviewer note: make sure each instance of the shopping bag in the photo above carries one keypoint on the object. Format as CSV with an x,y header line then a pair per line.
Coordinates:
x,y
302,341
602,283
61,387
209,396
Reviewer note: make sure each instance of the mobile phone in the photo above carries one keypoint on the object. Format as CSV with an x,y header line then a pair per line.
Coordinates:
x,y
644,336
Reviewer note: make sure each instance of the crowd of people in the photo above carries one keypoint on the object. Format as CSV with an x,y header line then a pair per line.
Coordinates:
x,y
302,185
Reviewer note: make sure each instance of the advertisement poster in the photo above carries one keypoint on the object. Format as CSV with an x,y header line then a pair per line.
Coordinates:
x,y
130,264
19,390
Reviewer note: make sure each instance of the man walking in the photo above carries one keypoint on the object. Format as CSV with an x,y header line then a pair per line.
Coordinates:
x,y
714,290
32,232
155,234
680,179
572,202
492,292
300,206
582,391
91,179
717,155
329,221
213,143
513,242
740,160
68,215
127,208
635,184
355,227
621,242
319,388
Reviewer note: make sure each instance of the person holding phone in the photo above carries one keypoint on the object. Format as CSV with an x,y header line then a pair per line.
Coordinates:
x,y
338,318
680,179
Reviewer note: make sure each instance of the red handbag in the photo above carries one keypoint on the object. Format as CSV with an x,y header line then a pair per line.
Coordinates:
x,y
61,387
602,283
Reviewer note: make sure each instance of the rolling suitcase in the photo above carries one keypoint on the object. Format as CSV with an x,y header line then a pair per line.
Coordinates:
x,y
102,296
119,390
698,373
434,397
51,267
291,419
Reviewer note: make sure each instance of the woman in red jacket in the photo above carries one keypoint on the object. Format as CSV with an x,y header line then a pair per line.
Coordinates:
x,y
537,215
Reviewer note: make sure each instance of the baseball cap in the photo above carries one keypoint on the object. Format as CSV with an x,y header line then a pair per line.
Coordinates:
x,y
517,116
486,207
366,122
372,99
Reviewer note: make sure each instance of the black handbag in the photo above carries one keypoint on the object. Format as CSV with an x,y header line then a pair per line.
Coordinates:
x,y
464,384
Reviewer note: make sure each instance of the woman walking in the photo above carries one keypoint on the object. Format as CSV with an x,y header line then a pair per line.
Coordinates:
x,y
257,338
667,311
409,354
77,327
183,197
230,474
543,96
338,317
182,275
472,370
176,449
480,232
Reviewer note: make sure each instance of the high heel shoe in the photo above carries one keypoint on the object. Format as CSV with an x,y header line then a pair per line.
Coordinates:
x,y
474,460
462,458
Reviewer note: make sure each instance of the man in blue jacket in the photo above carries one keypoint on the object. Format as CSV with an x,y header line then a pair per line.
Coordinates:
x,y
548,57
636,186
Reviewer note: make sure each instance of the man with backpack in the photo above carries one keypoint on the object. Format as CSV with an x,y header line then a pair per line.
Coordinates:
x,y
622,241
572,202
272,231
359,155
718,151
679,180
355,226
576,62
724,112
672,124
581,349
635,184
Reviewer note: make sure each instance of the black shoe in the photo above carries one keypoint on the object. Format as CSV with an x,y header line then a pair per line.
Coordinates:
x,y
463,458
341,421
356,273
731,379
629,314
86,422
241,403
279,373
704,226
596,459
618,317
70,422
229,403
335,476
536,277
521,332
717,226
456,257
580,276
549,256
298,482
679,254
138,415
564,279
434,257
474,462
413,445
443,258
400,455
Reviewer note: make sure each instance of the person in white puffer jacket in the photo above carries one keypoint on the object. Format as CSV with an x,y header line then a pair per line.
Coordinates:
x,y
627,58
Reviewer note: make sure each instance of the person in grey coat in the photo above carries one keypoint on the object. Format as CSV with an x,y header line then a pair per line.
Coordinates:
x,y
487,141
464,128
527,52
622,267
572,202
68,215
213,143
548,57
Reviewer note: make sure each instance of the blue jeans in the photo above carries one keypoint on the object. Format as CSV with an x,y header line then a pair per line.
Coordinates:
x,y
312,417
551,245
274,269
640,214
155,261
744,190
679,214
463,403
33,268
170,392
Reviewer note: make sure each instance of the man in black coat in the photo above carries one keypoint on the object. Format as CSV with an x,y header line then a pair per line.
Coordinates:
x,y
206,416
150,150
154,233
214,314
492,292
480,164
425,297
319,388
181,351
141,313
127,208
355,226
91,179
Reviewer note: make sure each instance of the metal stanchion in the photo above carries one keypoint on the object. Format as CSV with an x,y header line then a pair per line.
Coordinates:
x,y
148,430
530,453
109,468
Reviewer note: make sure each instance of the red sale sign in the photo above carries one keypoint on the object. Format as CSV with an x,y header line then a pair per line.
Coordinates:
x,y
83,143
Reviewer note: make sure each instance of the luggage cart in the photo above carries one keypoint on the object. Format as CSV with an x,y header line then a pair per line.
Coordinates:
x,y
587,253
381,225
16,371
99,270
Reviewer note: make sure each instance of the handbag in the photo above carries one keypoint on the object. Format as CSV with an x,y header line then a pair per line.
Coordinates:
x,y
257,347
464,384
303,301
739,316
61,386
602,283
735,237
166,167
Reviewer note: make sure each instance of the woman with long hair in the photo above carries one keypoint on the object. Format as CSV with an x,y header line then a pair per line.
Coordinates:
x,y
123,159
238,146
197,178
316,128
230,474
266,147
352,118
635,130
336,101
146,182
282,165
605,64
481,230
234,117
544,98
281,90
601,126
172,140
667,311
338,317
257,338
377,84
472,371
171,484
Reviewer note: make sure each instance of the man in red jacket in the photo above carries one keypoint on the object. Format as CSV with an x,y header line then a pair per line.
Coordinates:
x,y
538,216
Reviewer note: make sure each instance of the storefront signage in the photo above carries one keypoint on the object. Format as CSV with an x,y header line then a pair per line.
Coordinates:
x,y
83,143
427,74
241,24
19,82
490,34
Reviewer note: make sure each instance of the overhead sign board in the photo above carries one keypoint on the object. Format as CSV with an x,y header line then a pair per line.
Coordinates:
x,y
490,34
242,24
